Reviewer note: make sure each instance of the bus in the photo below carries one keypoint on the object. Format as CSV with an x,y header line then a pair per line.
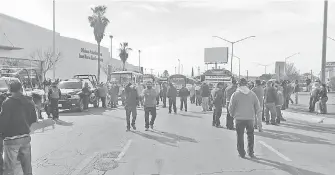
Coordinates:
x,y
149,77
162,80
125,77
189,82
215,76
178,79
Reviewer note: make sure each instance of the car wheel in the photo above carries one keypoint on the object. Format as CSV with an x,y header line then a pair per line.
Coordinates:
x,y
81,105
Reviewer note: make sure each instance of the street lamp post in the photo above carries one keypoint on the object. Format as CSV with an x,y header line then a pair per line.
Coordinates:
x,y
239,66
232,48
265,66
178,66
54,38
139,61
111,36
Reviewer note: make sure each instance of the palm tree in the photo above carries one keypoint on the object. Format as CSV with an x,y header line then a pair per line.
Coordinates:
x,y
124,52
98,22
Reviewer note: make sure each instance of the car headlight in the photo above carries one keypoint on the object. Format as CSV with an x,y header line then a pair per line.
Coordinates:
x,y
75,96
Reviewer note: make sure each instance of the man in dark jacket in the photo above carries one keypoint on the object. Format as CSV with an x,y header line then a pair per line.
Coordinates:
x,y
164,92
172,95
270,99
228,93
53,96
130,106
205,93
17,115
218,100
183,93
86,95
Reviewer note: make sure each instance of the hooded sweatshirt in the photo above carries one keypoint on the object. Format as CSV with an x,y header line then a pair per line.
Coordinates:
x,y
244,104
17,115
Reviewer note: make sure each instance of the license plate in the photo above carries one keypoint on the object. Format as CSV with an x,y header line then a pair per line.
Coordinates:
x,y
60,105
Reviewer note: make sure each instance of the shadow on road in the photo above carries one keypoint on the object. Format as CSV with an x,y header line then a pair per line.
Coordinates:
x,y
284,167
162,140
301,109
177,137
309,127
189,115
91,111
63,123
292,137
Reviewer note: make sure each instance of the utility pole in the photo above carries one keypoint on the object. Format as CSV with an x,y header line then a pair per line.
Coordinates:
x,y
111,36
247,75
175,70
151,71
198,70
182,68
324,43
54,39
312,75
178,66
139,60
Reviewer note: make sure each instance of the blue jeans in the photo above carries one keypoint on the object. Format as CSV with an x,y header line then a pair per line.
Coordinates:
x,y
17,150
270,107
242,125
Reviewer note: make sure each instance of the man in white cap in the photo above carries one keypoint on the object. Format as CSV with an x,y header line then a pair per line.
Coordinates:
x,y
149,105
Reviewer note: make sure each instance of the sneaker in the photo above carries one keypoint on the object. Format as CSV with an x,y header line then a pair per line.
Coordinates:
x,y
242,156
260,130
252,156
128,129
219,126
146,129
267,122
152,126
134,127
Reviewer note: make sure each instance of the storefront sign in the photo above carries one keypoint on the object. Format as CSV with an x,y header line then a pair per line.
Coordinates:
x,y
330,64
89,54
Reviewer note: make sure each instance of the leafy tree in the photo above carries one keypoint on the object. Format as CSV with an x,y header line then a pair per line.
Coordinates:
x,y
165,73
11,62
98,22
266,77
291,72
46,56
124,52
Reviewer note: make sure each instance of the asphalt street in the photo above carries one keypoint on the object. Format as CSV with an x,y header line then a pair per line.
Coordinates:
x,y
96,143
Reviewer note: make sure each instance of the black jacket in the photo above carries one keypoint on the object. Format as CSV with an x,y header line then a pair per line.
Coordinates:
x,y
183,92
17,115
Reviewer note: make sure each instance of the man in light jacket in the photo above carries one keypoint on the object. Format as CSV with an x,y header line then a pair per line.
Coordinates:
x,y
243,107
270,99
130,105
149,105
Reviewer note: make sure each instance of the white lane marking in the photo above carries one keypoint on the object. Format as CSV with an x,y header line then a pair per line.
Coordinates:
x,y
124,150
84,163
275,151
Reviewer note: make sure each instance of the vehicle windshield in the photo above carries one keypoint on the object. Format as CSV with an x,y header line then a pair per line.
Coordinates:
x,y
121,78
3,84
70,85
178,81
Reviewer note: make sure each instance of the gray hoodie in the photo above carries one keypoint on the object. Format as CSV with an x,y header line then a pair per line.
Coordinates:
x,y
244,104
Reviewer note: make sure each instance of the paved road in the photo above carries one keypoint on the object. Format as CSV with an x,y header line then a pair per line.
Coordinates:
x,y
185,144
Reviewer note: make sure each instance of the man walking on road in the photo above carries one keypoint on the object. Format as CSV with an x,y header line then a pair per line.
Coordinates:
x,y
243,106
158,90
218,101
131,102
164,94
259,91
270,99
296,91
17,115
183,93
228,93
205,93
54,95
149,106
172,95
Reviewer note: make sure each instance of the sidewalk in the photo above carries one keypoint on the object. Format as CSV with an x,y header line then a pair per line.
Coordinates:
x,y
300,112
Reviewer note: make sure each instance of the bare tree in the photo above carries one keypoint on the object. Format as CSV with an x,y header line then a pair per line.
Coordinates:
x,y
49,61
291,72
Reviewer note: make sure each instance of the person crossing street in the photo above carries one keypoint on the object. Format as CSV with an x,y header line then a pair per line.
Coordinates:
x,y
172,95
132,99
149,105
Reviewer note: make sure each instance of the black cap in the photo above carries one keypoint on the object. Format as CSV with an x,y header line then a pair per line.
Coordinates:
x,y
15,86
243,82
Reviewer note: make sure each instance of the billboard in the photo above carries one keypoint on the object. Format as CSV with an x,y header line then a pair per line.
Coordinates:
x,y
280,69
216,55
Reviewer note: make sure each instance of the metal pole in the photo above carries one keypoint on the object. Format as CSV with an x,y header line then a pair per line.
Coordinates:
x,y
139,61
231,60
247,75
324,43
265,69
111,36
312,75
175,70
239,68
54,39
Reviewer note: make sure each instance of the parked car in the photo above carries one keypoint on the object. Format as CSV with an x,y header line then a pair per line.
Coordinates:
x,y
71,94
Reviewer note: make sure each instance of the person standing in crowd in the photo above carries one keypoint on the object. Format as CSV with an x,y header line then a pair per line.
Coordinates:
x,y
259,91
296,91
323,99
205,93
86,96
131,103
270,99
218,100
149,106
140,89
308,83
228,93
192,94
112,94
183,93
243,107
164,92
328,85
158,90
198,95
263,107
17,115
279,102
290,87
123,95
285,94
172,95
54,95
102,91
315,95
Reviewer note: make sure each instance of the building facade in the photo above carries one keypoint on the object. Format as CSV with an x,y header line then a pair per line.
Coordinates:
x,y
22,40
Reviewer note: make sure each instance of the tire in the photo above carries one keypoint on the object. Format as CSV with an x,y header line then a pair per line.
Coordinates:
x,y
81,105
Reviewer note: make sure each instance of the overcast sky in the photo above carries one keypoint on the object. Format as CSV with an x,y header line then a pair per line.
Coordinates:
x,y
167,30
